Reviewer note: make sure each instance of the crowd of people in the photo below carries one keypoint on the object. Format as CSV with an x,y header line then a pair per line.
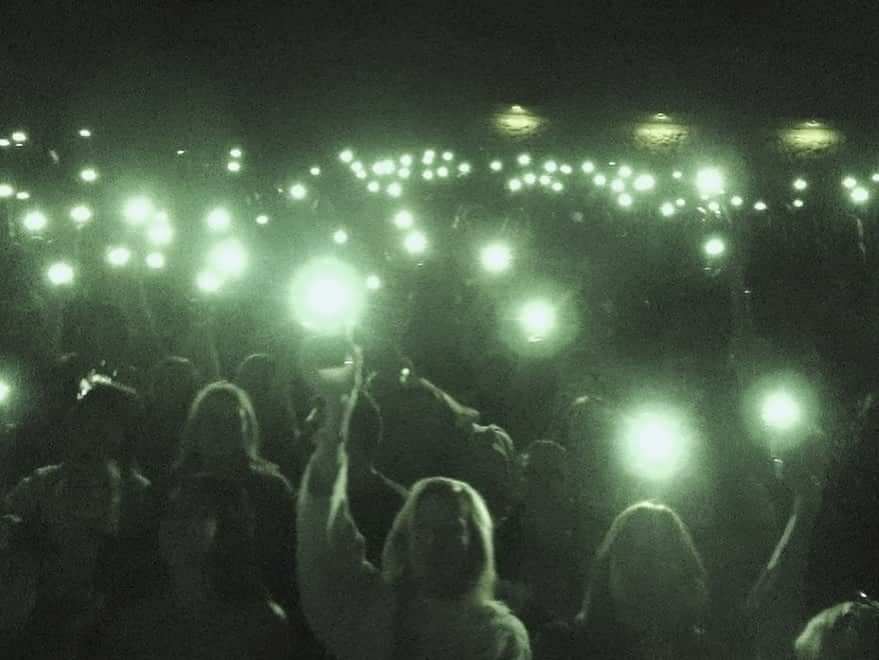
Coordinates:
x,y
194,519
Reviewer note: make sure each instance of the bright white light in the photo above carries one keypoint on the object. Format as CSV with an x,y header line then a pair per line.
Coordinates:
x,y
19,136
680,202
709,182
80,214
360,174
219,220
714,207
395,189
233,166
155,260
551,166
4,391
655,445
677,174
464,168
180,152
800,184
735,200
235,153
667,209
714,247
403,173
599,180
617,185
760,206
262,219
406,160
625,171
60,273
228,258
373,282
35,221
314,171
496,257
373,186
644,182
6,190
160,233
523,159
545,179
798,203
84,132
875,177
588,167
208,282
515,185
557,186
860,195
138,209
442,172
415,242
89,175
427,175
780,411
4,142
428,157
565,169
118,256
298,191
849,182
23,195
404,220
327,295
625,200
538,319
357,166
346,156
530,178
448,155
496,166
340,237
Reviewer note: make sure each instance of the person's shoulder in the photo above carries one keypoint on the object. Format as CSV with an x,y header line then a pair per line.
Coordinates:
x,y
495,437
513,639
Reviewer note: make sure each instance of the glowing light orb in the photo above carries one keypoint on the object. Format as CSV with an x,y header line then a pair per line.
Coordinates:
x,y
625,200
558,187
208,282
677,174
427,175
875,177
219,220
798,203
464,168
346,156
404,220
5,389
551,166
328,295
395,189
415,242
448,155
80,214
160,234
138,209
714,207
523,160
496,166
760,206
515,185
655,445
180,152
233,166
23,195
599,180
428,157
360,174
800,184
735,200
496,257
530,178
537,319
545,179
4,142
340,237
566,169
89,175
667,209
373,186
155,260
85,133
6,190
229,258
442,172
625,171
680,202
588,167
19,136
262,219
406,160
860,195
644,182
118,256
235,153
617,185
357,166
714,247
35,221
780,411
709,182
373,282
403,173
60,273
298,191
849,182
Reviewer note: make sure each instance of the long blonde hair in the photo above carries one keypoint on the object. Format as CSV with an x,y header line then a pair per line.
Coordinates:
x,y
479,578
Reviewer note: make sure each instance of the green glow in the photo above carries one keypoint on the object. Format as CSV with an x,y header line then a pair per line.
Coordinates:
x,y
849,182
655,444
709,182
361,174
298,191
545,179
714,207
677,174
780,411
496,166
89,175
625,200
625,171
357,166
415,242
617,185
538,319
599,180
262,219
404,220
680,202
735,200
327,295
373,186
208,282
523,160
644,182
118,256
161,216
6,190
60,273
714,247
80,214
314,171
155,260
403,173
229,258
219,220
340,237
800,184
406,160
138,209
860,195
4,391
667,209
588,167
515,185
373,282
875,177
35,221
395,189
496,257
233,166
346,156
160,233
